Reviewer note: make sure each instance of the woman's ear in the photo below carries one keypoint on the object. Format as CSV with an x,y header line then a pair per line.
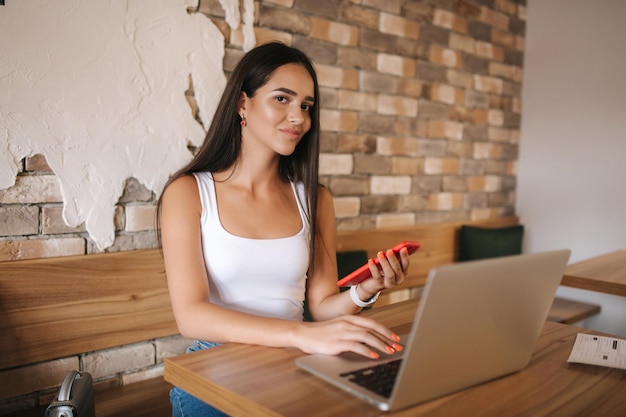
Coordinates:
x,y
241,103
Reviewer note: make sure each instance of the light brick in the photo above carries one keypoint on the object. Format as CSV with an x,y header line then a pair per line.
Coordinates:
x,y
498,134
339,121
398,26
12,250
448,20
32,189
484,213
503,37
140,218
390,220
52,222
37,163
385,185
448,94
19,220
336,77
122,359
396,105
396,146
334,32
356,100
396,65
487,150
38,377
446,201
506,6
445,56
488,84
441,166
347,207
495,117
445,129
405,166
494,18
336,164
489,50
489,183
143,375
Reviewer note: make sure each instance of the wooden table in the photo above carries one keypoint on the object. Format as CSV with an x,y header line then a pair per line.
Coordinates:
x,y
604,273
246,380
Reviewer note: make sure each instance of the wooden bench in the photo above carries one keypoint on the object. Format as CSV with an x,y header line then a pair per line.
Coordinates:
x,y
441,246
59,307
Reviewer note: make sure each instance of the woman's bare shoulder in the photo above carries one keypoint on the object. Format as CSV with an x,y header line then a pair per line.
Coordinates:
x,y
183,190
184,183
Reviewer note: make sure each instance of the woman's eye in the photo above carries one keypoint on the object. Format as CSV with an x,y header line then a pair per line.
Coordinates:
x,y
281,99
306,107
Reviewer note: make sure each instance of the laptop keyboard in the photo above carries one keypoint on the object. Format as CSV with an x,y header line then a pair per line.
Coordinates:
x,y
379,378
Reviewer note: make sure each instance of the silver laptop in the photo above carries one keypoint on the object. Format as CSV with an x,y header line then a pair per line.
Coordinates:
x,y
476,321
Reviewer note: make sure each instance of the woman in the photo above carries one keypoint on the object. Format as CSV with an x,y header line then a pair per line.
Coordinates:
x,y
237,226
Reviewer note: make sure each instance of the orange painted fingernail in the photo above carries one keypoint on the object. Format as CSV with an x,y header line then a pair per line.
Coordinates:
x,y
374,355
398,347
389,350
395,337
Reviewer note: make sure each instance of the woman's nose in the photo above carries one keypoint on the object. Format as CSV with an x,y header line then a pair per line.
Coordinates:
x,y
295,117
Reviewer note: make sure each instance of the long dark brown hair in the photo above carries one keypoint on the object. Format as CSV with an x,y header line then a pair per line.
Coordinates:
x,y
222,144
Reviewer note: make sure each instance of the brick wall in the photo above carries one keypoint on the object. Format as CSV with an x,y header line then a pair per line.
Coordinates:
x,y
420,117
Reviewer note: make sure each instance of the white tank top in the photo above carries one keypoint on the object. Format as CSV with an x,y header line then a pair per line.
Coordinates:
x,y
265,277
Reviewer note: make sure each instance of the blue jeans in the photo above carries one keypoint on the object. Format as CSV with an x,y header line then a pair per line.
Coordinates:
x,y
185,404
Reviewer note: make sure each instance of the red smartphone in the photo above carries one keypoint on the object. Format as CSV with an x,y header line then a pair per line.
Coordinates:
x,y
363,273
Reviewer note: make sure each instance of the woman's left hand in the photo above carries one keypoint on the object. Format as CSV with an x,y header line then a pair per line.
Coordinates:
x,y
389,273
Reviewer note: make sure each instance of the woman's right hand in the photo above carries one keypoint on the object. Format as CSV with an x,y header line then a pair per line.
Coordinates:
x,y
348,333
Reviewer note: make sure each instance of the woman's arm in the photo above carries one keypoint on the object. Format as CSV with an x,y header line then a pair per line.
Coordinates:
x,y
198,318
323,296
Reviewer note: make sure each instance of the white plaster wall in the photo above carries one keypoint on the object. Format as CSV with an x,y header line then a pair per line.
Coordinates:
x,y
98,88
572,167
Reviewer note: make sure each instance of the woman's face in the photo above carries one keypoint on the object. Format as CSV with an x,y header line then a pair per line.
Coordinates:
x,y
279,114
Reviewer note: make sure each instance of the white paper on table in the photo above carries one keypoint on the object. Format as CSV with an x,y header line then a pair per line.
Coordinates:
x,y
599,350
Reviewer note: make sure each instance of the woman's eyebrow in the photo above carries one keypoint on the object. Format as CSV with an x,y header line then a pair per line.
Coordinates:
x,y
293,93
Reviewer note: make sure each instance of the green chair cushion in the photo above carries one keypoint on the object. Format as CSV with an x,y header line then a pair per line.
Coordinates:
x,y
480,243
